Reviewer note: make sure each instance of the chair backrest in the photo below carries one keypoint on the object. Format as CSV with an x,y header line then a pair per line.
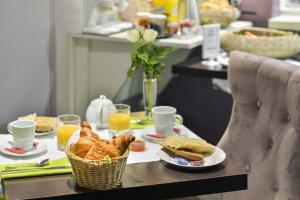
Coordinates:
x,y
263,135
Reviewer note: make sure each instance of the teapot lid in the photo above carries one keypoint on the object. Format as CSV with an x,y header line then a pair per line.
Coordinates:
x,y
101,100
104,100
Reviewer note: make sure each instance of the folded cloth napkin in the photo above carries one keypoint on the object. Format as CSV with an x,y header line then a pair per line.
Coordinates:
x,y
148,119
135,125
43,172
20,151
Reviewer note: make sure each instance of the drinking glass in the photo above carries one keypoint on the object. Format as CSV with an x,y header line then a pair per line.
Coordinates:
x,y
68,125
119,119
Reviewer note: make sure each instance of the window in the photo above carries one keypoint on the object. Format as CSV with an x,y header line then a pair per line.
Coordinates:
x,y
293,3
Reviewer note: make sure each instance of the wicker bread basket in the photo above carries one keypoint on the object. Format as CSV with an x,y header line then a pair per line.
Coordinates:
x,y
269,42
223,17
97,175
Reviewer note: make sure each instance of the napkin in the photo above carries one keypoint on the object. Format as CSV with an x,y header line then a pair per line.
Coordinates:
x,y
20,151
150,122
53,163
135,125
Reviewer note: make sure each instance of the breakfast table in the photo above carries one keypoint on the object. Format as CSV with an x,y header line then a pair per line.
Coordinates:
x,y
146,175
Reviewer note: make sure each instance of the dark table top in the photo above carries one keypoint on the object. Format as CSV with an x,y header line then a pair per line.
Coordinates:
x,y
196,68
192,66
153,180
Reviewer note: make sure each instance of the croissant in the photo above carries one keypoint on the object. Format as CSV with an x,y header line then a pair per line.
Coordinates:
x,y
83,145
85,132
108,149
100,149
86,125
88,132
122,142
95,153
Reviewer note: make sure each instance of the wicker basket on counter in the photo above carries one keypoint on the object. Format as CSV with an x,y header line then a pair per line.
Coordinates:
x,y
97,175
268,42
223,17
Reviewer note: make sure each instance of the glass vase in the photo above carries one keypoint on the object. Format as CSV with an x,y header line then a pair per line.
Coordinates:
x,y
149,94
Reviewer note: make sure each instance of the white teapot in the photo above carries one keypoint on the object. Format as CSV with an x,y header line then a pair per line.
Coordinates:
x,y
98,111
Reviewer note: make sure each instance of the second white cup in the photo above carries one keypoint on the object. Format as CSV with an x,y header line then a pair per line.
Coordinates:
x,y
164,119
23,133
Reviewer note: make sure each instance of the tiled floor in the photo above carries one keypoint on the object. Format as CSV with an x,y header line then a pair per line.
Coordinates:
x,y
211,197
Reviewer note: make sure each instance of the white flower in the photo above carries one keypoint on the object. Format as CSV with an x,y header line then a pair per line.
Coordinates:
x,y
141,29
149,35
133,36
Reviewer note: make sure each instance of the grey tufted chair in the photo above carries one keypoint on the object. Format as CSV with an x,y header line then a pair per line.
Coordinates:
x,y
263,135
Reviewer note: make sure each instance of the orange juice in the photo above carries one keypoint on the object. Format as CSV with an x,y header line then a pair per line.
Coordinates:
x,y
119,121
64,132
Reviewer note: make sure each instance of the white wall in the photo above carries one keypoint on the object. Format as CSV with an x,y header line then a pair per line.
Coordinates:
x,y
24,58
33,55
68,18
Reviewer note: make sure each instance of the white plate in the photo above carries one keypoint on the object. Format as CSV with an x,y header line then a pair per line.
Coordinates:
x,y
151,130
42,146
217,157
44,133
38,134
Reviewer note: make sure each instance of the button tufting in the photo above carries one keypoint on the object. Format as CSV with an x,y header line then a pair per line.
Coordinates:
x,y
258,104
247,168
275,187
288,117
270,144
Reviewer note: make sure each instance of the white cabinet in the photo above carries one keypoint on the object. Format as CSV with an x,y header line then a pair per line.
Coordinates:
x,y
99,64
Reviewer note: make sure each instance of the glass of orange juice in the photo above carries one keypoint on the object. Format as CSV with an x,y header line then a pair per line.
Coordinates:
x,y
119,119
68,125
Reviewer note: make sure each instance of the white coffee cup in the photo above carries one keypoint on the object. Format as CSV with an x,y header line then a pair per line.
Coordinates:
x,y
164,119
23,133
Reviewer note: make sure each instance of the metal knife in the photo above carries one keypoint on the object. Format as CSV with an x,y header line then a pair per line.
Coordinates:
x,y
35,169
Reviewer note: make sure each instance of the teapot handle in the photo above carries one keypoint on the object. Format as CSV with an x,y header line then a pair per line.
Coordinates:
x,y
100,111
99,115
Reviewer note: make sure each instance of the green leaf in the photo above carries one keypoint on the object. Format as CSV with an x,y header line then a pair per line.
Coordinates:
x,y
147,56
153,61
144,57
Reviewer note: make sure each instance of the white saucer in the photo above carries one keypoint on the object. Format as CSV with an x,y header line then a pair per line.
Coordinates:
x,y
217,157
146,132
44,133
42,146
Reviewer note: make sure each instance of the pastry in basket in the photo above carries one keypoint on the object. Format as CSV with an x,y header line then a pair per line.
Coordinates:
x,y
86,141
84,144
85,131
86,125
122,142
95,153
43,123
190,148
101,149
113,149
90,146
